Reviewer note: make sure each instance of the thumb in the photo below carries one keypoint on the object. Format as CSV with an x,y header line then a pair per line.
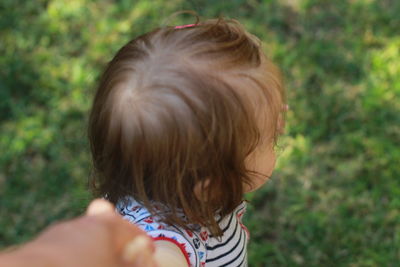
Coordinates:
x,y
99,206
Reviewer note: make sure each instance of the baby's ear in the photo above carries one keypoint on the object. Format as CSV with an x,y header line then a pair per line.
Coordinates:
x,y
201,188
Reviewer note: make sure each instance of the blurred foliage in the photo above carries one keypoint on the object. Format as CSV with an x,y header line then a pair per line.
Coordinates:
x,y
334,198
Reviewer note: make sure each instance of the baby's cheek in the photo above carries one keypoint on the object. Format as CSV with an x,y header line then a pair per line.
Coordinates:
x,y
263,162
268,165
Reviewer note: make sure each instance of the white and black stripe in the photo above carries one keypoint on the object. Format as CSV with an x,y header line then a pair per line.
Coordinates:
x,y
230,249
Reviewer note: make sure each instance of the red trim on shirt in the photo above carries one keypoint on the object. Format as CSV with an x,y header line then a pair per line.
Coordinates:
x,y
180,246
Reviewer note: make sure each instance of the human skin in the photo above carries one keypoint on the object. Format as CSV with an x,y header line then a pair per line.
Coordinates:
x,y
263,162
263,159
97,239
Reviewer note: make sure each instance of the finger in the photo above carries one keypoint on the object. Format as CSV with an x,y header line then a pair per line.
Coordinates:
x,y
122,231
134,246
99,206
126,233
137,249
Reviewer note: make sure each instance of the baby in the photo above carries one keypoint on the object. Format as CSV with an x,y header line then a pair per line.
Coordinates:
x,y
184,122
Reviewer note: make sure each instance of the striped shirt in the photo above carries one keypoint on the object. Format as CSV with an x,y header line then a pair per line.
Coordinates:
x,y
199,247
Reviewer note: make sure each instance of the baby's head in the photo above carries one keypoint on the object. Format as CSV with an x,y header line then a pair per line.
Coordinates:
x,y
185,116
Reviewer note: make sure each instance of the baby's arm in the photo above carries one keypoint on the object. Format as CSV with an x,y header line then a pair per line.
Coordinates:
x,y
168,254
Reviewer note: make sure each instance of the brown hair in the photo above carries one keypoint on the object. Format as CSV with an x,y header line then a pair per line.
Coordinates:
x,y
173,109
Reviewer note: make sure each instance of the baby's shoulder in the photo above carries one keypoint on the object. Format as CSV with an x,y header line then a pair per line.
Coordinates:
x,y
191,242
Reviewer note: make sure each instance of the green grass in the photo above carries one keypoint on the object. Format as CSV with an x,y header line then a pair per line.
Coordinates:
x,y
334,198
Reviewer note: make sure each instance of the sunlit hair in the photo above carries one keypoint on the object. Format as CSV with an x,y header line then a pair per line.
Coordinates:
x,y
177,107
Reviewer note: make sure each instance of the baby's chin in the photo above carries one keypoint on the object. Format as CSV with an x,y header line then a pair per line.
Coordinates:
x,y
255,185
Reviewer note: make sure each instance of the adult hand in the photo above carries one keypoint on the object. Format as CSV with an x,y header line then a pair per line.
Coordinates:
x,y
99,239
